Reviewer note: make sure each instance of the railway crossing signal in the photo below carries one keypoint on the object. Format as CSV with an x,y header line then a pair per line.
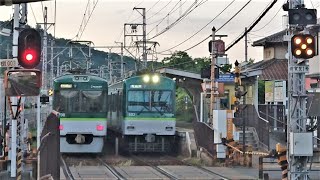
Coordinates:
x,y
302,16
29,48
303,46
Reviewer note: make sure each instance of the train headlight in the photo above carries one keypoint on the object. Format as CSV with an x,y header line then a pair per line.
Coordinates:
x,y
146,78
155,79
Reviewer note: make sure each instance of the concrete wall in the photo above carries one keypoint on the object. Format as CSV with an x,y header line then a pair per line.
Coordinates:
x,y
277,52
268,53
314,64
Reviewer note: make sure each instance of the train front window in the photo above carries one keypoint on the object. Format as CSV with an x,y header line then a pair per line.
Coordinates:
x,y
157,101
69,101
94,101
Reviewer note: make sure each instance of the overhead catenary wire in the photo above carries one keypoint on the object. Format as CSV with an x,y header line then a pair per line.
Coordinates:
x,y
253,25
42,8
185,14
159,10
95,5
220,27
161,20
34,16
180,6
201,28
146,11
55,18
268,21
129,17
83,19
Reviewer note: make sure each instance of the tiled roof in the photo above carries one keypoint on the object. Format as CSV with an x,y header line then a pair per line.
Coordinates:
x,y
274,69
274,38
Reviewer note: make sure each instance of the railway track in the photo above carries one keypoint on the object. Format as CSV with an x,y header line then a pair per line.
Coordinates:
x,y
199,167
66,170
146,163
174,161
93,165
69,162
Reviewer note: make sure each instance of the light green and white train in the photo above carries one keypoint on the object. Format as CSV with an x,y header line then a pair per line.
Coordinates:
x,y
142,111
81,100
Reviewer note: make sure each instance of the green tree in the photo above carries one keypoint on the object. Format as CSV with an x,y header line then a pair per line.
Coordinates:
x,y
184,110
251,61
226,68
178,60
181,60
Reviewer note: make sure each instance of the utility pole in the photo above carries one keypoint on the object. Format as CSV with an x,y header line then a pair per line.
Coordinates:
x,y
45,51
58,67
134,27
216,48
16,143
51,65
122,69
241,111
246,45
110,65
45,48
144,36
213,103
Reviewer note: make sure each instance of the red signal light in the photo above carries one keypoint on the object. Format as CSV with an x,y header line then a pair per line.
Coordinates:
x,y
29,48
29,55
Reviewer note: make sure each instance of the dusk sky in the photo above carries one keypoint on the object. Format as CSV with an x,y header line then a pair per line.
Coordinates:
x,y
106,23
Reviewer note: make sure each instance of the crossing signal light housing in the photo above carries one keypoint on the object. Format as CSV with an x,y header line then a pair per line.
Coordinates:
x,y
29,48
303,46
302,16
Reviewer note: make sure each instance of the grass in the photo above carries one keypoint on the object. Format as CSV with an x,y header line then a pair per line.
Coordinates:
x,y
126,163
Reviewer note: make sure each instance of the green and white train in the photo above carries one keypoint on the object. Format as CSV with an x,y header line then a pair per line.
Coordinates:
x,y
81,100
142,110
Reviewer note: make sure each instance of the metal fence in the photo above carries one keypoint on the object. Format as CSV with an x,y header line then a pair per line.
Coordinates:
x,y
50,147
203,134
275,114
261,125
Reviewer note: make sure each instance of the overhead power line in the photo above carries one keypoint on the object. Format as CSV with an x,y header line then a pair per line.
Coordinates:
x,y
83,18
159,10
253,25
95,5
201,28
221,26
268,21
185,14
172,10
146,11
34,16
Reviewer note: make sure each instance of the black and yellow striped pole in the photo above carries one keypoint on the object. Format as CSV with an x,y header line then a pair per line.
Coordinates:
x,y
282,160
237,82
19,146
19,152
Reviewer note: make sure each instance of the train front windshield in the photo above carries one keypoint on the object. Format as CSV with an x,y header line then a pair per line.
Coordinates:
x,y
71,101
155,101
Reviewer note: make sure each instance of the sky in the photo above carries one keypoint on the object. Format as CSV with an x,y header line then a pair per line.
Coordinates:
x,y
106,23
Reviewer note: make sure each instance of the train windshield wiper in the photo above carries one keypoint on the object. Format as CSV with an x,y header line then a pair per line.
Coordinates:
x,y
144,107
159,111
